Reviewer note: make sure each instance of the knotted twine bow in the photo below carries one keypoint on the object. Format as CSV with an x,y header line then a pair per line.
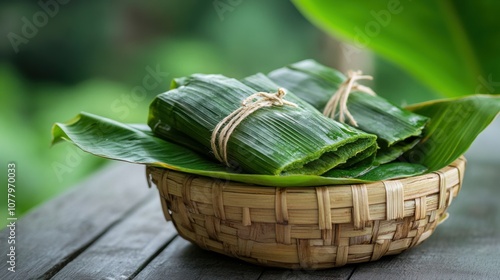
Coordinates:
x,y
225,128
339,99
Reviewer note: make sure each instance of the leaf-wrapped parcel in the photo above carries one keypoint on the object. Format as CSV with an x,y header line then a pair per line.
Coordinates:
x,y
274,140
261,82
397,129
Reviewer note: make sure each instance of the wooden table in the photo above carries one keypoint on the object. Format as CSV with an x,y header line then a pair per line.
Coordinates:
x,y
112,227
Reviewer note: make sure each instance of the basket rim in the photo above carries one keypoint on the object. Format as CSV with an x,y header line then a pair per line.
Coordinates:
x,y
150,170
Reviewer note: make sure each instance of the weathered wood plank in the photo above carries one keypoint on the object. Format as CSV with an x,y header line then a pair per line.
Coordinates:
x,y
183,260
126,248
53,234
341,273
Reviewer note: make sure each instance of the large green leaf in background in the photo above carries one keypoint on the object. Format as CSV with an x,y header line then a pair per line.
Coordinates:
x,y
456,124
452,46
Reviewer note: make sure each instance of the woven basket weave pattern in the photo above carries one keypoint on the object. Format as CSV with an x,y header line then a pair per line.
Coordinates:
x,y
314,227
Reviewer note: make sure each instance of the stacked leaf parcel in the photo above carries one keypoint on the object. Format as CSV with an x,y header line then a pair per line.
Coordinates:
x,y
286,128
398,130
276,140
274,124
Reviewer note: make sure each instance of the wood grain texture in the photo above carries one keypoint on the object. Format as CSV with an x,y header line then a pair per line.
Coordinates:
x,y
342,273
126,248
183,260
53,234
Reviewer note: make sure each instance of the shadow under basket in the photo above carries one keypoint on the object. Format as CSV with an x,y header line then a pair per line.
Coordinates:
x,y
307,227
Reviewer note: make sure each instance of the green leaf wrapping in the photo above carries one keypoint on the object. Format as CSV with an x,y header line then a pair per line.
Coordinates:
x,y
316,83
277,140
137,144
454,125
260,82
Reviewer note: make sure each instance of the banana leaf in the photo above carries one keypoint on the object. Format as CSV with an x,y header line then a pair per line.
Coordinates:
x,y
450,46
278,140
453,126
355,171
397,129
381,172
312,81
388,154
316,83
137,144
260,82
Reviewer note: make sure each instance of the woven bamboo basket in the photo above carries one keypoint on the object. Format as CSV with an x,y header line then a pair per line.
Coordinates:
x,y
309,228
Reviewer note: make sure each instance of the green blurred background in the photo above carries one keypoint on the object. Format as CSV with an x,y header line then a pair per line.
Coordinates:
x,y
112,57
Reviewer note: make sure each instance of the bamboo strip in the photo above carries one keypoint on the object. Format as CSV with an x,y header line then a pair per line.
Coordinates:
x,y
395,199
361,207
